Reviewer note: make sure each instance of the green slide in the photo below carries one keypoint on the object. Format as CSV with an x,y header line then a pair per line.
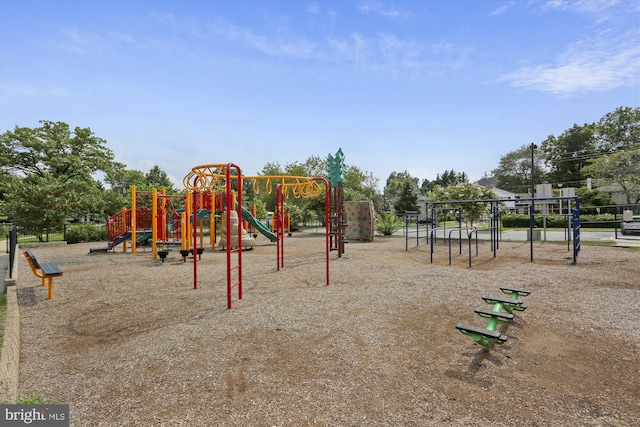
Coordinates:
x,y
246,215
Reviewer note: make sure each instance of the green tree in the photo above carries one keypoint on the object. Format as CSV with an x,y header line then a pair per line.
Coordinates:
x,y
359,185
621,168
448,177
408,198
618,140
118,195
464,194
618,130
592,198
567,154
395,186
54,170
514,170
120,181
158,178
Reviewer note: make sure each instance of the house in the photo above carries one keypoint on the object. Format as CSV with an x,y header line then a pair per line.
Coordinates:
x,y
508,198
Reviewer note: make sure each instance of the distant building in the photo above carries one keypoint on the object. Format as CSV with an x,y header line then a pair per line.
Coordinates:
x,y
508,198
615,192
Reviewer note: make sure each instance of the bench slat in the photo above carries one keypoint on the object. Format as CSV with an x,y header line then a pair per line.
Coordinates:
x,y
501,300
522,292
50,269
33,258
496,314
481,331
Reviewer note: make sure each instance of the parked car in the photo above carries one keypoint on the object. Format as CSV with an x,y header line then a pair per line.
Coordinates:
x,y
633,226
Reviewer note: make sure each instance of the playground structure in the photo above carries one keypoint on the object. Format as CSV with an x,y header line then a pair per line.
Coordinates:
x,y
489,335
436,210
213,178
243,240
163,225
214,189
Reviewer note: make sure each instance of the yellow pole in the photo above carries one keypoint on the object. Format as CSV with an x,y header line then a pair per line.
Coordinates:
x,y
183,226
212,221
189,212
154,223
202,233
133,219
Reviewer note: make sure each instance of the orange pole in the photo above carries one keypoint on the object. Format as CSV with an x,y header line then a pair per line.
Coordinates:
x,y
202,233
212,221
183,226
189,210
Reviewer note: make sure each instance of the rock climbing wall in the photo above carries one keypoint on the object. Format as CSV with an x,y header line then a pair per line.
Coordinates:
x,y
360,221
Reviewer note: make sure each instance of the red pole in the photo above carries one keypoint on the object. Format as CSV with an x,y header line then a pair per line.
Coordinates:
x,y
276,223
228,202
195,265
195,248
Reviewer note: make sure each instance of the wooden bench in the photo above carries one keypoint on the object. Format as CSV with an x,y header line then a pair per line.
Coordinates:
x,y
44,270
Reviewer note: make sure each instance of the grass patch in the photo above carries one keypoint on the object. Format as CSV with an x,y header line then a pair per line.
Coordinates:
x,y
598,242
35,399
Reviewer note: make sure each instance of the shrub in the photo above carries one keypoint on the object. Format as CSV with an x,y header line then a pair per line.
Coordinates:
x,y
295,217
388,223
557,221
85,233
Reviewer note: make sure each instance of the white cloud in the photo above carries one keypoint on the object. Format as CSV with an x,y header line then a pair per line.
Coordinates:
x,y
378,7
582,6
593,65
292,46
502,9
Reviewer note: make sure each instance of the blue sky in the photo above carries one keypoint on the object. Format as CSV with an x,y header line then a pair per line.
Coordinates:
x,y
421,86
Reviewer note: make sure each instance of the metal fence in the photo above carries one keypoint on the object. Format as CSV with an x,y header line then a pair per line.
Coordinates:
x,y
9,231
45,235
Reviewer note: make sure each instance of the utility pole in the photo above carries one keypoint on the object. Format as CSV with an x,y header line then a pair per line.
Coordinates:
x,y
531,222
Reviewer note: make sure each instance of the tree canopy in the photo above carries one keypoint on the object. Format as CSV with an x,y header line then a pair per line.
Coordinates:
x,y
514,170
567,154
471,211
400,185
621,168
49,171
